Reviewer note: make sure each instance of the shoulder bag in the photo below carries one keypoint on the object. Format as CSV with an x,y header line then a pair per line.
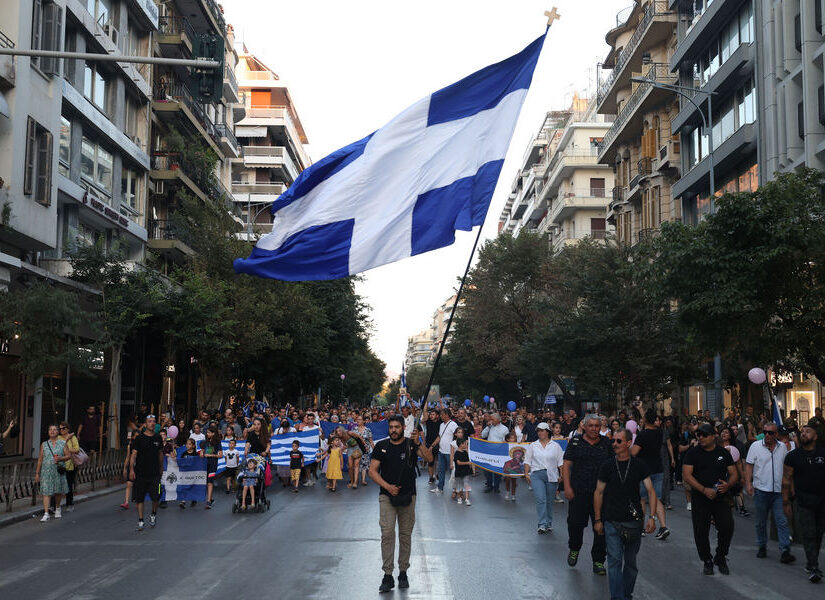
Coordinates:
x,y
61,468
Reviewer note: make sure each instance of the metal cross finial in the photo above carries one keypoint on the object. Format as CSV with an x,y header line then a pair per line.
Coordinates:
x,y
551,15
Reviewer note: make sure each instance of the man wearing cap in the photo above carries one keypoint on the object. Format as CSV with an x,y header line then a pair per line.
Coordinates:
x,y
541,470
709,472
763,480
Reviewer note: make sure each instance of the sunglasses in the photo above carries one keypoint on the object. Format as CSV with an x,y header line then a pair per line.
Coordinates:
x,y
618,442
769,432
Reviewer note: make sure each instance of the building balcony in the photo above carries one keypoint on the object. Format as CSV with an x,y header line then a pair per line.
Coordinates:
x,y
172,168
697,32
646,234
570,202
670,155
228,141
568,239
165,240
175,32
644,167
7,73
272,157
563,164
230,85
656,26
628,123
277,117
173,99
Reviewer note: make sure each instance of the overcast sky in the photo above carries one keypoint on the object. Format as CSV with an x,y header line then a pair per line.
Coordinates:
x,y
352,66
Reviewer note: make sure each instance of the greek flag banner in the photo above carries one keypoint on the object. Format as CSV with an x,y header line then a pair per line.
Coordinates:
x,y
403,190
240,448
504,458
380,429
280,445
184,477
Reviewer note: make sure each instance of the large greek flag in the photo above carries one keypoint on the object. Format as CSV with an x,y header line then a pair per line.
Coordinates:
x,y
404,189
504,458
380,429
280,446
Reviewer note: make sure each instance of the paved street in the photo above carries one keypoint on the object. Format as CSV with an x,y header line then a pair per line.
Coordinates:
x,y
315,544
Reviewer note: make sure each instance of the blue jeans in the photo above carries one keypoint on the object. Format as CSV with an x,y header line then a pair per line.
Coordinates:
x,y
493,480
771,501
545,493
443,468
621,558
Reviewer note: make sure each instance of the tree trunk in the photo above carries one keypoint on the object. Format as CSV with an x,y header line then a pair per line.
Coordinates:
x,y
114,396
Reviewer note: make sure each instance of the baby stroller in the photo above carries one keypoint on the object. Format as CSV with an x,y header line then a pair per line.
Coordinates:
x,y
261,503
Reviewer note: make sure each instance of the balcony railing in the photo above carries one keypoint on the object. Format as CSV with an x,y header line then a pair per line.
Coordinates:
x,y
225,131
645,166
229,75
5,41
169,89
656,73
176,26
654,9
162,229
216,12
646,234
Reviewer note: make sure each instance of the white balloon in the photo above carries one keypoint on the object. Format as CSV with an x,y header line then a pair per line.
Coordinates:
x,y
757,376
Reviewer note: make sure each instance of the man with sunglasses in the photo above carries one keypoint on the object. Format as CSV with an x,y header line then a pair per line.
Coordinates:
x,y
618,513
764,467
708,472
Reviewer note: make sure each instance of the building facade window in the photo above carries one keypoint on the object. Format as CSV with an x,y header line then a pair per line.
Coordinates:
x,y
738,31
47,34
37,175
131,188
87,235
735,112
96,167
95,86
65,148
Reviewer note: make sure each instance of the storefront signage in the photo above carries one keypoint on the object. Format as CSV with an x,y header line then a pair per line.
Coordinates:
x,y
105,210
781,378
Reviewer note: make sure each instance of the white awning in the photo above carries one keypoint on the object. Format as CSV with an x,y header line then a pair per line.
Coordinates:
x,y
250,131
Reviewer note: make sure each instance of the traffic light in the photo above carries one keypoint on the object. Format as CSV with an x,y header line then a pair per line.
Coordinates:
x,y
207,84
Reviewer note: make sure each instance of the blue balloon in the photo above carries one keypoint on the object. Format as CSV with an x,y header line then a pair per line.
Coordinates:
x,y
511,406
486,398
468,402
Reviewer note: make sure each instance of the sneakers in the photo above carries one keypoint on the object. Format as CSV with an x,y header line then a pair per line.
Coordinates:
x,y
814,574
435,490
70,508
541,530
559,500
58,514
720,562
459,501
182,504
403,582
572,558
762,552
386,584
467,502
153,520
140,526
512,497
506,496
662,533
598,569
743,512
46,516
125,506
786,558
708,570
209,504
689,506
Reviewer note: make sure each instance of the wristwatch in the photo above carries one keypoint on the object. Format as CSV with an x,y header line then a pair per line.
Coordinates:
x,y
653,517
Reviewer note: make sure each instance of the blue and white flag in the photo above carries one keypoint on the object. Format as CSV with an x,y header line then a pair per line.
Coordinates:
x,y
380,429
240,448
504,458
404,189
184,477
280,445
403,376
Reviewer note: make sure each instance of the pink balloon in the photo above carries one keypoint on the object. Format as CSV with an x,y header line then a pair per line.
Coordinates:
x,y
632,427
172,432
734,453
757,376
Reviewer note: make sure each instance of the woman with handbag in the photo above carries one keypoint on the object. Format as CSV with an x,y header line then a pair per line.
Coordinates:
x,y
73,448
51,472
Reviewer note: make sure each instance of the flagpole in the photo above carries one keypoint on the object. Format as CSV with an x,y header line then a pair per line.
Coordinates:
x,y
450,320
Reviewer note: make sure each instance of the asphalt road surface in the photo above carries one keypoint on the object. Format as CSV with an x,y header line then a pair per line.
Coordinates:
x,y
321,545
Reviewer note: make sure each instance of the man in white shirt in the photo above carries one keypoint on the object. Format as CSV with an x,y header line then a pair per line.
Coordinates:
x,y
494,432
446,431
408,412
764,467
541,470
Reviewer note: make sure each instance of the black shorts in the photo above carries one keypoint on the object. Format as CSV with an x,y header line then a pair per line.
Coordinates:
x,y
230,472
143,487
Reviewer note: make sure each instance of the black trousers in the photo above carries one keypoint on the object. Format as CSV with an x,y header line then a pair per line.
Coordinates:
x,y
811,521
579,513
703,510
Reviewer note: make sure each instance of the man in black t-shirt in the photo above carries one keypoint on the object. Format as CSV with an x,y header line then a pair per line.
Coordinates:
x,y
619,516
648,448
582,459
145,469
708,471
804,480
393,468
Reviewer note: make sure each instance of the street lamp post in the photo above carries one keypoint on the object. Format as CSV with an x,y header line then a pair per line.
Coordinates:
x,y
707,123
342,387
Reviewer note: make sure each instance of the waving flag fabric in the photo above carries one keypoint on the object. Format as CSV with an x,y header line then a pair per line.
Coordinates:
x,y
184,477
240,448
280,445
404,189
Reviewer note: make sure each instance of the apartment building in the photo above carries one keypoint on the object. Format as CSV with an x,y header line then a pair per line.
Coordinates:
x,y
562,190
74,167
419,349
639,144
178,106
273,141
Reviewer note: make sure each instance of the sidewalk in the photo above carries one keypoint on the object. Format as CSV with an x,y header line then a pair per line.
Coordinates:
x,y
26,512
